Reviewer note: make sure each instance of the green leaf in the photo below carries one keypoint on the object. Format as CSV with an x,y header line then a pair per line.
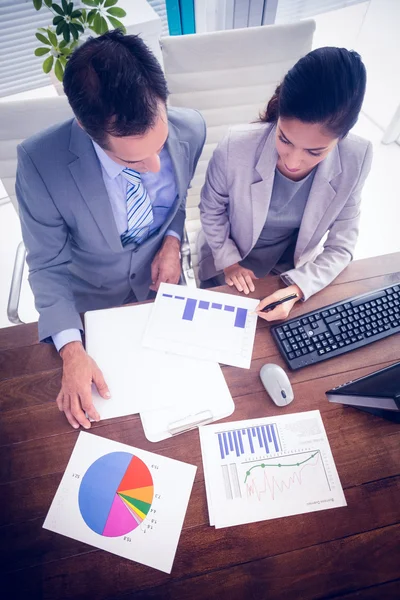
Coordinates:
x,y
104,25
64,5
70,8
48,3
63,60
62,44
57,9
60,27
76,14
91,15
37,4
74,31
66,33
58,70
89,2
117,24
116,12
48,63
57,20
79,27
96,25
42,39
41,51
52,38
110,3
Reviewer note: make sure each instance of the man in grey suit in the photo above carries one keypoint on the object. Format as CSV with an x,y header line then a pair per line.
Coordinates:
x,y
102,200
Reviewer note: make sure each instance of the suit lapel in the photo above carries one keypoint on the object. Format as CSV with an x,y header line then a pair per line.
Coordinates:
x,y
86,171
261,190
319,200
179,153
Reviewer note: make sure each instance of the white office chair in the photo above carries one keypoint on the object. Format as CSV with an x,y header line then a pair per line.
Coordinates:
x,y
228,76
18,121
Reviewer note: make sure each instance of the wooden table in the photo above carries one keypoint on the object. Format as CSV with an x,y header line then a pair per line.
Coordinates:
x,y
350,552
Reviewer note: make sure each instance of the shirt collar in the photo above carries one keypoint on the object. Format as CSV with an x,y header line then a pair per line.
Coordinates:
x,y
112,168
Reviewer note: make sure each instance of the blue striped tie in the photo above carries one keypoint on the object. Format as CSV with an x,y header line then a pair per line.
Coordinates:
x,y
139,210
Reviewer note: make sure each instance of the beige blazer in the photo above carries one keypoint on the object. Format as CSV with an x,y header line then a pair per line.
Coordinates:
x,y
236,196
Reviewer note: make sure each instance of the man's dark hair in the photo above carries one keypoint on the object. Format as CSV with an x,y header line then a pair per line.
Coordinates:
x,y
114,85
326,86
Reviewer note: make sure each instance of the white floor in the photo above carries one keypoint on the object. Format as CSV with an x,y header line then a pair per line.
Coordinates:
x,y
379,232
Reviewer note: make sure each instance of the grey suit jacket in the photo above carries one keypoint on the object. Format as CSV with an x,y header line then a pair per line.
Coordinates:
x,y
236,196
75,256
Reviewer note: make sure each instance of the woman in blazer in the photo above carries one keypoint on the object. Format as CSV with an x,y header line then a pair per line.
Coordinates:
x,y
287,188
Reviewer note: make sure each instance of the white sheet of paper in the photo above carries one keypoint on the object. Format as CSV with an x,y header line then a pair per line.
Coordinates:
x,y
201,393
203,324
123,500
141,379
269,468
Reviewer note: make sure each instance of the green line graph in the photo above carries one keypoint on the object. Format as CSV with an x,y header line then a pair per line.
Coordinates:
x,y
264,465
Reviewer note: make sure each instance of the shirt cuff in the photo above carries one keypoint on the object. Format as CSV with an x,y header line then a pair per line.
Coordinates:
x,y
64,337
173,233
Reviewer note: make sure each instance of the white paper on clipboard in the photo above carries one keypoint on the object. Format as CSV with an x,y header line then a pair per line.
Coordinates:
x,y
172,393
204,397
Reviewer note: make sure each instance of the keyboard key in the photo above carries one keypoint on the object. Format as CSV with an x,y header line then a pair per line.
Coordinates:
x,y
332,318
294,325
325,314
287,346
321,351
291,355
281,334
332,311
304,350
305,321
285,328
298,353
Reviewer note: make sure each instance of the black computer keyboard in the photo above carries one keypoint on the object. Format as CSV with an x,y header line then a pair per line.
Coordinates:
x,y
339,327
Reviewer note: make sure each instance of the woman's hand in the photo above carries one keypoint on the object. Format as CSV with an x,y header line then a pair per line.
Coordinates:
x,y
282,311
240,277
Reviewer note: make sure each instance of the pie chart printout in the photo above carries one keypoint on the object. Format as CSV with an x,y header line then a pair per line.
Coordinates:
x,y
115,494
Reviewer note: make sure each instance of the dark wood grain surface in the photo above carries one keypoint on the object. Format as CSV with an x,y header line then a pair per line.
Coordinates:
x,y
351,552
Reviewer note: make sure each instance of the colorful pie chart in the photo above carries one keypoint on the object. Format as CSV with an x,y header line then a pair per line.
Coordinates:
x,y
115,494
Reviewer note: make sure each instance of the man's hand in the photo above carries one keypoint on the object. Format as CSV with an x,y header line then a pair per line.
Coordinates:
x,y
240,277
166,266
75,397
282,311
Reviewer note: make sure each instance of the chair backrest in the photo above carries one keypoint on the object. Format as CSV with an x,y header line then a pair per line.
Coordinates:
x,y
229,76
18,121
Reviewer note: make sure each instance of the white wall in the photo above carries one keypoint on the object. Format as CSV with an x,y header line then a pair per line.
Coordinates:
x,y
379,45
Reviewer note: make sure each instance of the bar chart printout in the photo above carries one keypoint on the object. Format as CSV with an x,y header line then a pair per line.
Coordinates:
x,y
203,324
268,468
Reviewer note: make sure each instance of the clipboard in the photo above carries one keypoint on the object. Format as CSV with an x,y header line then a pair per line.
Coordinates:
x,y
172,393
208,400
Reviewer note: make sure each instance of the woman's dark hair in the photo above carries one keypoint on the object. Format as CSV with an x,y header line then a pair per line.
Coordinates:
x,y
326,86
114,85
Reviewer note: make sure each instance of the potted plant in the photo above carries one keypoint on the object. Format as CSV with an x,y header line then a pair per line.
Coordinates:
x,y
68,26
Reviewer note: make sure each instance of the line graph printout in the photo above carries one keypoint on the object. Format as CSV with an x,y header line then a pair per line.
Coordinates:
x,y
202,324
268,468
127,501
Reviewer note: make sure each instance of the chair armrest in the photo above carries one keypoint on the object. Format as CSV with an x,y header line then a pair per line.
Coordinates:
x,y
16,282
187,276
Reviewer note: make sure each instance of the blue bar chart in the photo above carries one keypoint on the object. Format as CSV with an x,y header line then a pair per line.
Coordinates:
x,y
191,304
203,324
250,441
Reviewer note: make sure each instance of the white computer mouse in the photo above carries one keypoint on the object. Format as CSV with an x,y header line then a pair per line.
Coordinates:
x,y
277,384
